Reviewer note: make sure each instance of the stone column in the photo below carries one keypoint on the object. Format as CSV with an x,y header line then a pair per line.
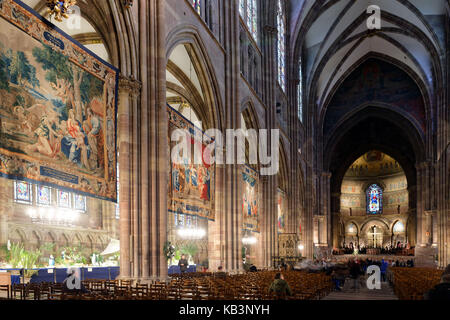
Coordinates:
x,y
325,204
270,234
3,228
216,228
154,219
420,220
129,89
335,203
263,246
308,228
144,154
6,193
230,189
428,227
443,212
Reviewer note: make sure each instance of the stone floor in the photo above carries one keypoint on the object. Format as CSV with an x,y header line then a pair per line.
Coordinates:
x,y
363,293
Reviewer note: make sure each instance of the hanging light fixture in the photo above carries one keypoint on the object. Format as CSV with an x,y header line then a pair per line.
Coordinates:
x,y
249,239
60,8
191,233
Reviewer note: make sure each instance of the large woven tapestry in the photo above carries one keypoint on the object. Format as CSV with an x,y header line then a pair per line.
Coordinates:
x,y
250,200
191,183
57,107
281,195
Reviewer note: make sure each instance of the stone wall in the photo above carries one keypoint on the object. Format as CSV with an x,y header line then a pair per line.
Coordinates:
x,y
91,229
395,194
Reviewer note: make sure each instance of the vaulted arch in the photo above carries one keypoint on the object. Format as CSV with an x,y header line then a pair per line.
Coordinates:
x,y
208,103
331,37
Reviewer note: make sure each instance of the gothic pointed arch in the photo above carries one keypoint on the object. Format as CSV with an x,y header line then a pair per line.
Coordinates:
x,y
210,108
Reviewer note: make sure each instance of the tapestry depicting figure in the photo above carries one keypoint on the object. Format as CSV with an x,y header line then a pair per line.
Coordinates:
x,y
281,210
191,183
57,107
250,179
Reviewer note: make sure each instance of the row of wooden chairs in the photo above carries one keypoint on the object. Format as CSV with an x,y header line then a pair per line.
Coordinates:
x,y
413,283
221,286
31,291
254,286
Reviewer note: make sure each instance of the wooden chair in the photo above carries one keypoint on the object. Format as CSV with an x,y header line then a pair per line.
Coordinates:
x,y
6,288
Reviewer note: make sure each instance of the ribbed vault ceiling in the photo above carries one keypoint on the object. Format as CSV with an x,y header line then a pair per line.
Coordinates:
x,y
333,37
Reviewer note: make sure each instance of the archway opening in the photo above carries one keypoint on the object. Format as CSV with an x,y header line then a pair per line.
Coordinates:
x,y
190,195
374,199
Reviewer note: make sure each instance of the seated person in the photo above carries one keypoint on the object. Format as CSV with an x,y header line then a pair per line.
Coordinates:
x,y
280,287
183,264
220,273
442,290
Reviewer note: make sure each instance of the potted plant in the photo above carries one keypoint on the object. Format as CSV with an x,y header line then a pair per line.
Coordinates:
x,y
169,251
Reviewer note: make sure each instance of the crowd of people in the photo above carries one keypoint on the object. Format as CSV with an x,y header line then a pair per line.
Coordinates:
x,y
391,249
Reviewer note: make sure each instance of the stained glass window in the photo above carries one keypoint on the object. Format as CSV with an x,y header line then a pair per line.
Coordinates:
x,y
188,221
399,227
249,13
180,219
197,6
195,221
63,199
242,7
352,228
281,45
43,195
79,202
23,192
374,199
300,92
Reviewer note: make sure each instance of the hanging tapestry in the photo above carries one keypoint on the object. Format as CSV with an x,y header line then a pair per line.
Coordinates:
x,y
250,201
281,211
191,183
57,107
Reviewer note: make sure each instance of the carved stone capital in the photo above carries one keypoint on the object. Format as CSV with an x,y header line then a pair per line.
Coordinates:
x,y
429,213
130,84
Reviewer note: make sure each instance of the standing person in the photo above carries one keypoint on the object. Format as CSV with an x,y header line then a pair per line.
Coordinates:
x,y
183,264
280,287
336,280
355,272
283,265
383,269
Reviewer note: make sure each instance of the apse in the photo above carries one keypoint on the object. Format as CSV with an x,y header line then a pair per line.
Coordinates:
x,y
374,203
374,184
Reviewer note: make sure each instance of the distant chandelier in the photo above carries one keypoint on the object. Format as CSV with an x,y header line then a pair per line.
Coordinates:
x,y
60,8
